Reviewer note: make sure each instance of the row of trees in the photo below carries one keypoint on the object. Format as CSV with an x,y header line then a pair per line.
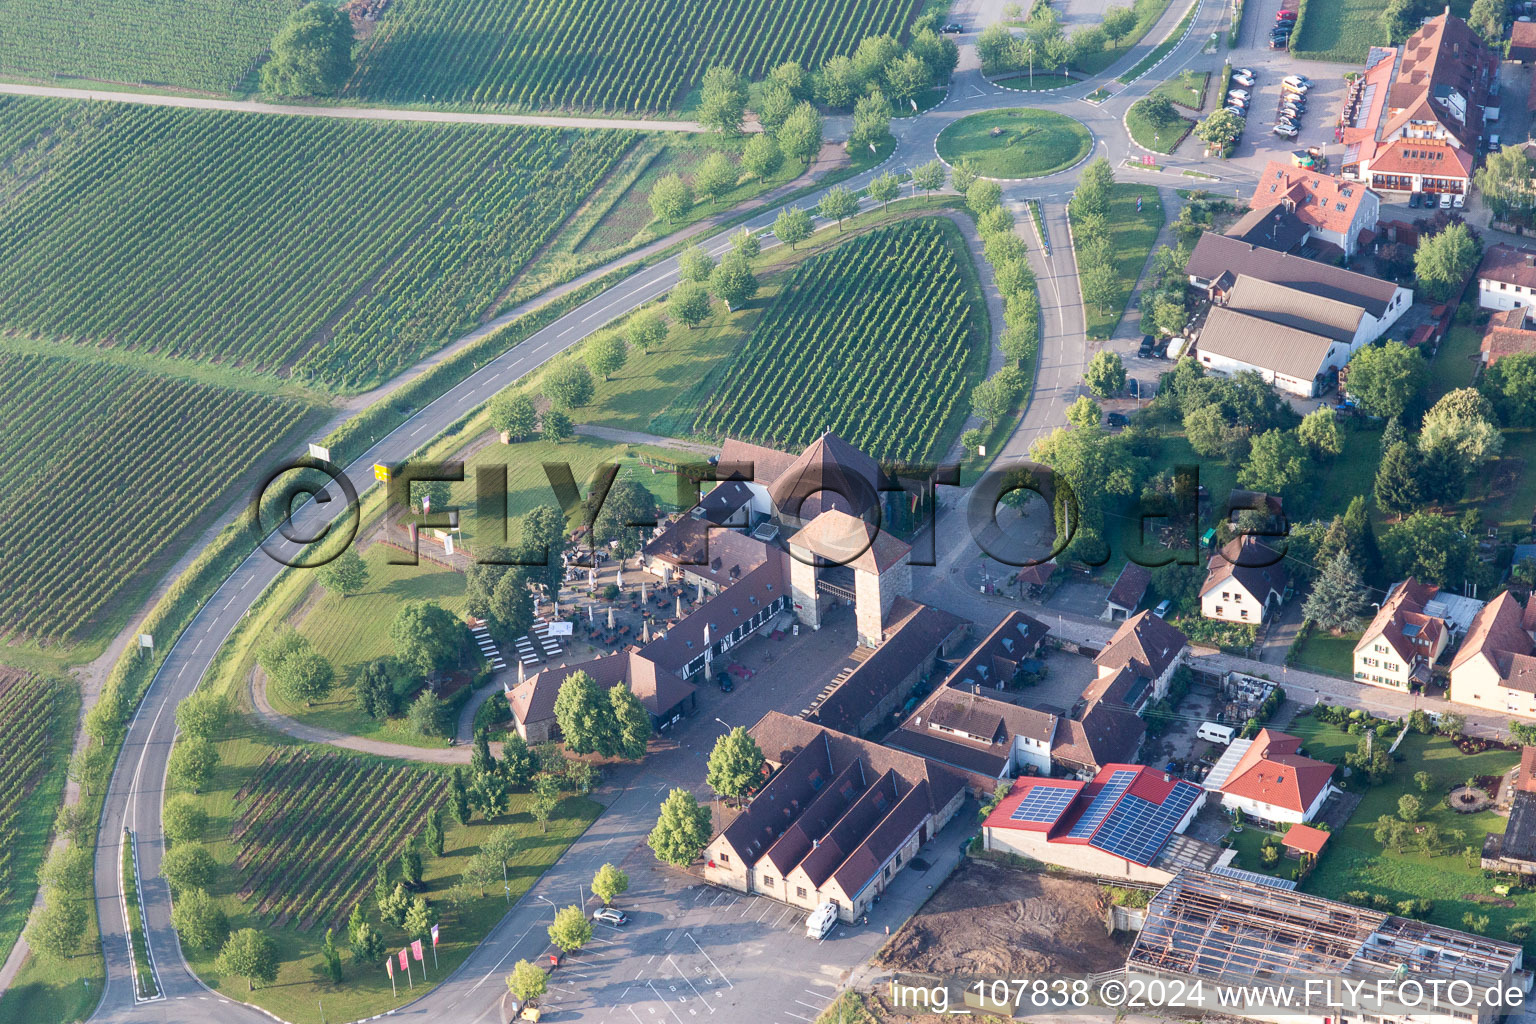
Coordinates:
x,y
569,931
1045,46
736,769
1089,209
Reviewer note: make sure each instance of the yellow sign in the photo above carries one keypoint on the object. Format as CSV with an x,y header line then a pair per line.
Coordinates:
x,y
381,472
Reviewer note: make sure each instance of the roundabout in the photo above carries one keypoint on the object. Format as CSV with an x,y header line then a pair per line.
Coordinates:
x,y
1014,144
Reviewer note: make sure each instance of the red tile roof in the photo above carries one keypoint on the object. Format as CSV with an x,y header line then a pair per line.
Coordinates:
x,y
1522,41
1319,200
1272,772
1498,636
842,539
1401,611
1305,838
1429,157
1130,587
1509,264
1443,55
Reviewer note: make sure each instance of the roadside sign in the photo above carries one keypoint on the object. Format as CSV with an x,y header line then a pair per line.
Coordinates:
x,y
559,629
318,452
147,641
381,472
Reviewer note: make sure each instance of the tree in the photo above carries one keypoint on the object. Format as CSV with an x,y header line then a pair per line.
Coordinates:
x,y
182,820
723,99
513,415
606,354
1385,380
517,761
735,764
203,714
1398,20
761,157
733,281
631,721
837,204
1459,425
571,930
1105,375
995,396
546,797
906,77
67,869
1084,412
790,75
192,763
774,106
1093,190
609,883
1435,549
1168,316
1085,42
671,199
1118,22
929,177
432,832
1505,182
311,55
681,830
498,593
458,796
1510,385
884,188
567,384
694,264
627,514
1487,20
983,195
1423,780
427,637
689,304
871,122
527,981
58,927
305,676
716,176
1319,433
792,226
556,426
188,866
997,49
1275,463
746,245
419,918
332,957
1220,129
837,83
251,955
800,135
1397,480
939,53
1338,598
410,866
198,919
428,714
346,574
1445,260
585,717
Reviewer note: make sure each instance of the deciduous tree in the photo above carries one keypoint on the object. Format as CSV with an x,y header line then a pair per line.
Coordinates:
x,y
689,304
428,637
608,883
192,762
1443,261
606,354
311,55
527,981
1386,380
250,955
800,136
671,198
188,866
567,384
681,831
761,157
1105,375
735,764
792,226
722,99
837,204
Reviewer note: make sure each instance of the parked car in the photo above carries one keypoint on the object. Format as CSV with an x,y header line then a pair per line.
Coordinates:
x,y
953,27
727,684
1493,142
1278,43
1301,80
608,915
1239,111
1116,419
1243,71
1445,200
1243,80
1286,131
1239,93
1238,102
1413,200
1458,200
1148,343
1134,387
1161,611
1291,89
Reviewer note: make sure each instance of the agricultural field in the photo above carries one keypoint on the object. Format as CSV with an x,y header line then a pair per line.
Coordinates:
x,y
895,313
310,831
36,720
598,54
1346,30
209,46
104,466
335,252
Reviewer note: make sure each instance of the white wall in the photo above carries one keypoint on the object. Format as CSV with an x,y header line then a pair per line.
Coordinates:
x,y
1491,296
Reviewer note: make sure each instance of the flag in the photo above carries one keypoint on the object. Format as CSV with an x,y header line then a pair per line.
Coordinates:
x,y
389,965
404,961
434,935
416,950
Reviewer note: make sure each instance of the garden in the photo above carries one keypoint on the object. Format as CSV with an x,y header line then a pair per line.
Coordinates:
x,y
1019,143
1344,31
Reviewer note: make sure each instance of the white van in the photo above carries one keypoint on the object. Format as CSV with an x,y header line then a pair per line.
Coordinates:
x,y
821,921
1215,733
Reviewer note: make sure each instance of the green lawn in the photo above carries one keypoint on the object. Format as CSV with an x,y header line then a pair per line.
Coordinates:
x,y
1038,82
1147,14
1457,361
365,990
1248,843
1331,655
1029,144
1160,136
1355,861
1132,235
1323,740
1188,90
1343,30
1162,49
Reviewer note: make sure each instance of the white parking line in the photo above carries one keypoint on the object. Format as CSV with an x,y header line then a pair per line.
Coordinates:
x,y
798,1017
668,1005
787,910
813,1006
766,911
711,960
691,985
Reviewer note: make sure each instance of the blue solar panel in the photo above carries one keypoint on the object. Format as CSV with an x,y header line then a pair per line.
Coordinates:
x,y
1139,829
1043,804
1117,784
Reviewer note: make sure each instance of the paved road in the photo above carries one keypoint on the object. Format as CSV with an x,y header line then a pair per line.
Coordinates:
x,y
154,99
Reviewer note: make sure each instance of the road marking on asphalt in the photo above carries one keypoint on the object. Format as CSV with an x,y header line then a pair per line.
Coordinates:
x,y
691,985
710,959
766,911
813,1006
787,910
797,1016
650,985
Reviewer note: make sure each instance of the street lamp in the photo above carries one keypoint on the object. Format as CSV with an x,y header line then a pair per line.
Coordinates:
x,y
723,722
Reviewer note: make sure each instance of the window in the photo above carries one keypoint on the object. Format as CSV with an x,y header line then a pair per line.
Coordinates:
x,y
725,858
1243,612
800,891
1218,609
768,881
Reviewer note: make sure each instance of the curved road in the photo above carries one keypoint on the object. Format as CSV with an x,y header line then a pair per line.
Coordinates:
x,y
135,792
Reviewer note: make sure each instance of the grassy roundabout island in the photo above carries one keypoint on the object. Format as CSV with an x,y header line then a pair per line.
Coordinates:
x,y
1020,143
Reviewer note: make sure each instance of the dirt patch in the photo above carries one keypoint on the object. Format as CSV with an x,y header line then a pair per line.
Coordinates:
x,y
1000,921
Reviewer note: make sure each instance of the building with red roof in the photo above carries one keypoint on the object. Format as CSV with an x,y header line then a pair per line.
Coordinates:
x,y
1506,277
1269,779
1331,209
1495,669
1125,822
1509,332
1404,640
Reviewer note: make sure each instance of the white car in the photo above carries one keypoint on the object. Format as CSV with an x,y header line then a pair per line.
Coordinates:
x,y
1288,131
1458,200
1241,94
1301,81
1243,71
609,916
1239,111
1242,79
1445,200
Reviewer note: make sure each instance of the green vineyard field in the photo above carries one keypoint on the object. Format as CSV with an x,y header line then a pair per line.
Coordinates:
x,y
312,827
208,45
26,717
599,54
878,340
337,251
103,466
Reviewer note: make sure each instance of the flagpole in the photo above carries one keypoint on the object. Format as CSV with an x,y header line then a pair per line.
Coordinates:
x,y
408,979
389,967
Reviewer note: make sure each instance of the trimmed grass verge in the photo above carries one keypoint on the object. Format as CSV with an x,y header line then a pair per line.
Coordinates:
x,y
1162,49
1019,143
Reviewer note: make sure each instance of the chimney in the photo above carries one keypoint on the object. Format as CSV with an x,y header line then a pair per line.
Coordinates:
x,y
1167,777
976,689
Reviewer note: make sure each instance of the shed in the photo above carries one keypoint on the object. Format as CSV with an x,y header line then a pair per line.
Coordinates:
x,y
1301,839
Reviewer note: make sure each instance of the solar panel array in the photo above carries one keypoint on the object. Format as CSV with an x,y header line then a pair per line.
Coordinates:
x,y
1139,829
1118,783
1044,804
